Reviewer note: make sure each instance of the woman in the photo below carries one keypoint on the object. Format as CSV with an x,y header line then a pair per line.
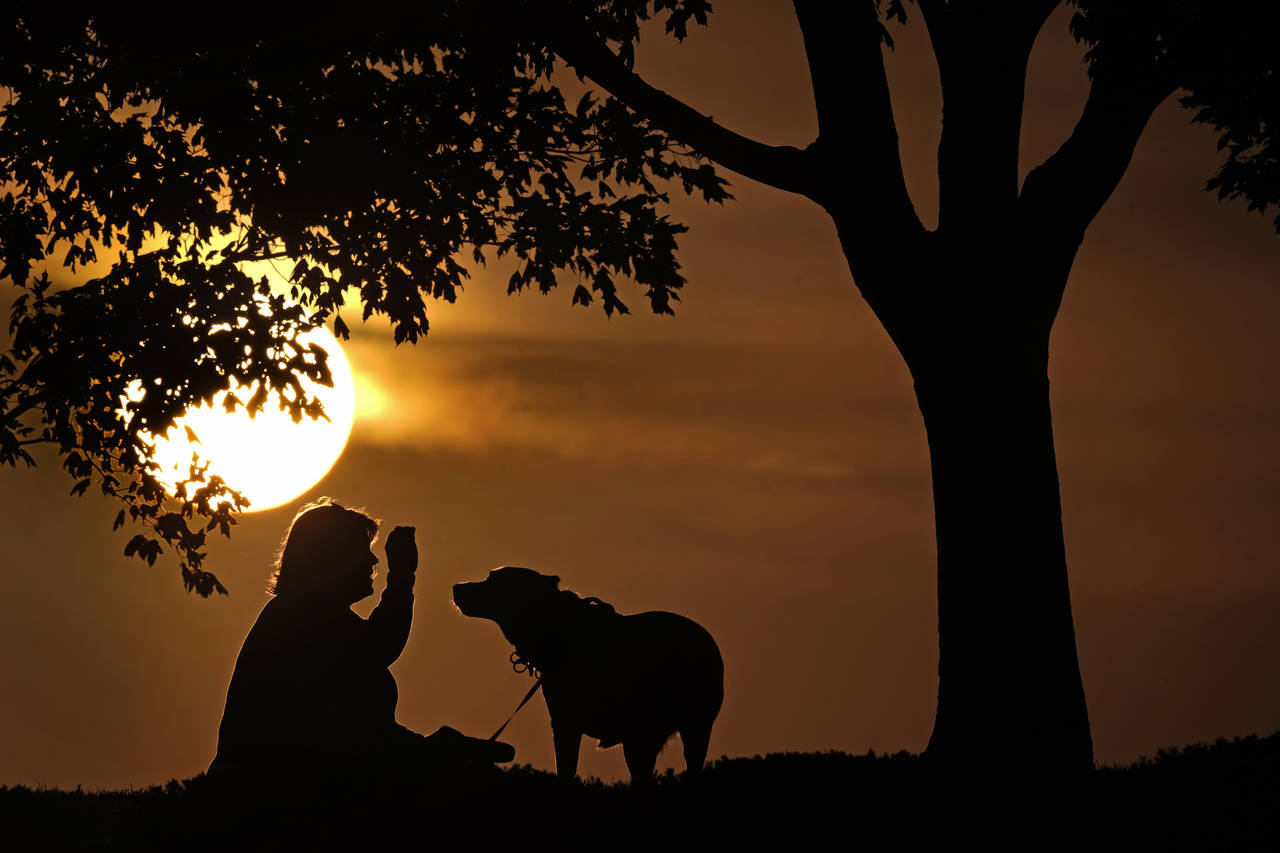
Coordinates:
x,y
311,692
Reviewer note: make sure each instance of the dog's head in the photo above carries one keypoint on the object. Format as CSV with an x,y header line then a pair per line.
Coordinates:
x,y
506,594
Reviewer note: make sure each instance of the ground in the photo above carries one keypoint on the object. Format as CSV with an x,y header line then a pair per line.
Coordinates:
x,y
1204,797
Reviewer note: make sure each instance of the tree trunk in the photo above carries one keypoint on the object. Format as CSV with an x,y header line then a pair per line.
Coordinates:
x,y
973,325
1009,683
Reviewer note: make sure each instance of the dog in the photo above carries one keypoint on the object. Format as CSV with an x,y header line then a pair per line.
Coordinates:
x,y
633,680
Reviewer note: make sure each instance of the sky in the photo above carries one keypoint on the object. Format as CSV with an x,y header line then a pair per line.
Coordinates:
x,y
757,463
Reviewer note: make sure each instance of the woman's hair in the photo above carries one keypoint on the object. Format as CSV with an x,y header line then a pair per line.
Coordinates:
x,y
318,530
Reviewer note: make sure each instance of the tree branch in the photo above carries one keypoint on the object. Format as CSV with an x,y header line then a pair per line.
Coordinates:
x,y
857,136
1067,190
783,166
1038,11
982,51
24,407
934,13
1025,17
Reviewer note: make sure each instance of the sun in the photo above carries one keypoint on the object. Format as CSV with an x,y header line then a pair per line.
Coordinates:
x,y
269,459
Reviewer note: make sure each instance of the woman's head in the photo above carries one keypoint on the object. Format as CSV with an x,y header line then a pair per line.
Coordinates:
x,y
327,551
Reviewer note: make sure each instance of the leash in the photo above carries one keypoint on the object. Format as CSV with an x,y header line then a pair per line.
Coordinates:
x,y
523,702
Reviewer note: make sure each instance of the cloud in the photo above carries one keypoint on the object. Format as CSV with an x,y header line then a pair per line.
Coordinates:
x,y
756,408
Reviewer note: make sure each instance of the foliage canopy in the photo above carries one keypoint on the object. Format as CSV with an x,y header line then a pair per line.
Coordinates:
x,y
378,158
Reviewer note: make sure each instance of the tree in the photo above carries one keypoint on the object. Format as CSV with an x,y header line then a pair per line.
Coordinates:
x,y
378,155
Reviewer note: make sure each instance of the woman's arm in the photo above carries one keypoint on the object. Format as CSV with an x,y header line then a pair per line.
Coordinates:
x,y
390,621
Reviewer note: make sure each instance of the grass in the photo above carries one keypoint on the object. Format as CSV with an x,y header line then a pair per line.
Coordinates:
x,y
1224,796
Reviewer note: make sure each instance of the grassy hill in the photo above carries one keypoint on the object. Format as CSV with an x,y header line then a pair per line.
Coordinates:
x,y
1224,796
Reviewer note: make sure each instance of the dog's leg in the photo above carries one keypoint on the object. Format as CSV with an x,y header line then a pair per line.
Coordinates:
x,y
642,757
567,740
696,739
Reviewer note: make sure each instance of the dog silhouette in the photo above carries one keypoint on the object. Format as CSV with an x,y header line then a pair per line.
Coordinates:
x,y
633,679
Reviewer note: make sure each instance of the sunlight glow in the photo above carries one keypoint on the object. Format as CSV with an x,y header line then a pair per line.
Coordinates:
x,y
269,458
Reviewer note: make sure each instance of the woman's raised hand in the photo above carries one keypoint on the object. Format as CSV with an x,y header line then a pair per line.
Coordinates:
x,y
402,553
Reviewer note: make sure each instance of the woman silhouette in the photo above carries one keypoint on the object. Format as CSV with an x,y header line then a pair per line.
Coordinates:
x,y
311,695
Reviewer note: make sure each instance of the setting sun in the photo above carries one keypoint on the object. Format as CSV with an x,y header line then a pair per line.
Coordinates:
x,y
269,458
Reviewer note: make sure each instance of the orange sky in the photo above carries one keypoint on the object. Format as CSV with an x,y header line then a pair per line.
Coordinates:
x,y
756,463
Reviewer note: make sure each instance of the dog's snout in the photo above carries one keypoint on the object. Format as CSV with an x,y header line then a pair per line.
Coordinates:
x,y
463,598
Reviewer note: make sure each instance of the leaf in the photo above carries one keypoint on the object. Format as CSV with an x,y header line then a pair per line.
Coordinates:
x,y
191,434
119,522
72,461
201,582
81,487
171,525
340,329
258,400
135,544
